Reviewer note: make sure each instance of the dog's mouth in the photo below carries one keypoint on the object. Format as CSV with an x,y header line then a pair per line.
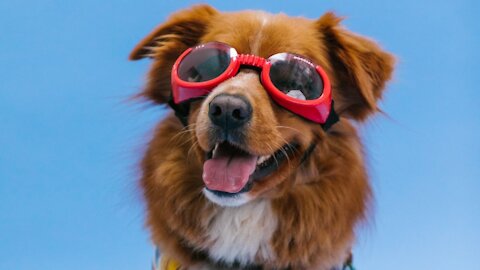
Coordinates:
x,y
230,170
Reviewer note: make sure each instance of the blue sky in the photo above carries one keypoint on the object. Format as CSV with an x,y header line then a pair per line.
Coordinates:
x,y
70,140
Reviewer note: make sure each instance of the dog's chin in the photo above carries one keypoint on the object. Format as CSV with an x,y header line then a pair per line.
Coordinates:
x,y
233,200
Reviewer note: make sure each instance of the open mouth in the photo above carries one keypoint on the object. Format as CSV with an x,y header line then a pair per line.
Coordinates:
x,y
230,170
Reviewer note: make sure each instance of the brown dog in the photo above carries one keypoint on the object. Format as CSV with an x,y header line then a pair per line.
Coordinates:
x,y
302,214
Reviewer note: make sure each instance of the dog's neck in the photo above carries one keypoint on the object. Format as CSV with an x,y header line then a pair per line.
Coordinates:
x,y
242,234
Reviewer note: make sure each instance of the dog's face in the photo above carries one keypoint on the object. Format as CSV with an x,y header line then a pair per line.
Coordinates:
x,y
247,143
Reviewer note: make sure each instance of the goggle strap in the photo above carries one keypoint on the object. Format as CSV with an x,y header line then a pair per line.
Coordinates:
x,y
181,110
331,119
251,60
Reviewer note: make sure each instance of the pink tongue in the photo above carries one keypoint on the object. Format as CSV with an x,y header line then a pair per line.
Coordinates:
x,y
228,172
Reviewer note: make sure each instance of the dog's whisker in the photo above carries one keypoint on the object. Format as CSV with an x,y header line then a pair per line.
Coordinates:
x,y
179,134
191,138
292,148
298,132
284,152
181,140
273,151
188,140
289,145
184,130
194,144
294,129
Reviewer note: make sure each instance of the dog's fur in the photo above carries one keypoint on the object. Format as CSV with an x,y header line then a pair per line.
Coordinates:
x,y
303,215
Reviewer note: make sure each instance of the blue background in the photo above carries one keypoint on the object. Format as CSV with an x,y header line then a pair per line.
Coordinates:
x,y
70,139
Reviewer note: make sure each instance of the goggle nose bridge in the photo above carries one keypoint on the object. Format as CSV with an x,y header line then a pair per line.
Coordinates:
x,y
251,60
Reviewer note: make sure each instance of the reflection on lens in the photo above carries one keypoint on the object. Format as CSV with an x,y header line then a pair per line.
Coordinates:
x,y
295,76
203,64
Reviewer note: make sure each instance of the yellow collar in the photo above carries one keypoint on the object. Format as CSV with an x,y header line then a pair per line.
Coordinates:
x,y
162,262
168,264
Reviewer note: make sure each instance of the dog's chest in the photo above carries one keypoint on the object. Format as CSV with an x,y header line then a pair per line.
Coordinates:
x,y
243,233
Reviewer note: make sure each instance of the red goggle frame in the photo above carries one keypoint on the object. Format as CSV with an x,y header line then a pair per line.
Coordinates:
x,y
317,109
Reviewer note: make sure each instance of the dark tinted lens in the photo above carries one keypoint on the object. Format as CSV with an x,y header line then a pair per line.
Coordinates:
x,y
295,76
203,64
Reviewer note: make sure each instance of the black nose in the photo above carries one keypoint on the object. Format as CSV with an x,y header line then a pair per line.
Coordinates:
x,y
229,111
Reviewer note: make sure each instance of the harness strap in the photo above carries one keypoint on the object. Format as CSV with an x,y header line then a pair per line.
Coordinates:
x,y
181,110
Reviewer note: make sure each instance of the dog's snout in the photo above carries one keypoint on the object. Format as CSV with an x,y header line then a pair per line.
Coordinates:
x,y
229,111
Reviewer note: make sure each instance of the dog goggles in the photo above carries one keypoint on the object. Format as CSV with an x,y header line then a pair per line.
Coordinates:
x,y
292,81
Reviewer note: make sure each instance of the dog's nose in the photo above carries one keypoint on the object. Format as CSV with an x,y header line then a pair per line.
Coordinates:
x,y
229,111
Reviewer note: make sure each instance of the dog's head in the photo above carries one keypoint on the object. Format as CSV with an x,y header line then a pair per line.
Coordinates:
x,y
248,144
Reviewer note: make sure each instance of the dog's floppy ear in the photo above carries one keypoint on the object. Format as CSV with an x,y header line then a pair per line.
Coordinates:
x,y
361,68
185,27
182,30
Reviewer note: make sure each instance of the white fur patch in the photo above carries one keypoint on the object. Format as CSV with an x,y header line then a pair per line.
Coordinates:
x,y
243,233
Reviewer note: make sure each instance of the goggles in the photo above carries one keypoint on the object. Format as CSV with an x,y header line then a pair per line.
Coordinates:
x,y
292,81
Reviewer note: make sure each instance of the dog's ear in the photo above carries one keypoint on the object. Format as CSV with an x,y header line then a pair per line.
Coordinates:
x,y
182,30
361,68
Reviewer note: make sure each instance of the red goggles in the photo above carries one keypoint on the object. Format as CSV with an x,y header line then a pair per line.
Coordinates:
x,y
292,81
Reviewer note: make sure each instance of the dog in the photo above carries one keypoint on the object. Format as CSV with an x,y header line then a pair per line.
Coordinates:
x,y
247,172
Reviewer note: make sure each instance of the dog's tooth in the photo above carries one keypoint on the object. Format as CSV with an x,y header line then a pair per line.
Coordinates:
x,y
215,149
262,159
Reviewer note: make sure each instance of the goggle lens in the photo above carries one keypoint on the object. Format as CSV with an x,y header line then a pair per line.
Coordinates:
x,y
204,63
295,76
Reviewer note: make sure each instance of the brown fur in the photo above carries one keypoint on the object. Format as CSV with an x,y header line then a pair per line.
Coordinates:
x,y
318,202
